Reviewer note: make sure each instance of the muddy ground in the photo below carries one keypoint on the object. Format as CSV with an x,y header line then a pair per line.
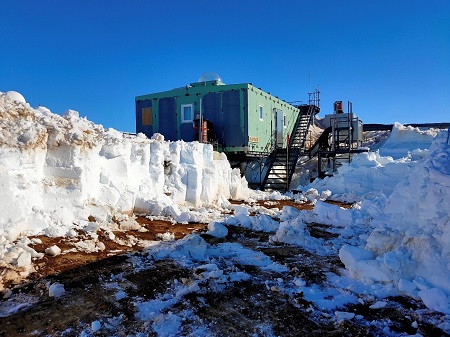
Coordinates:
x,y
245,308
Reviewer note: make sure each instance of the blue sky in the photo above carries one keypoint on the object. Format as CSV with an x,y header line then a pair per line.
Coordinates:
x,y
390,58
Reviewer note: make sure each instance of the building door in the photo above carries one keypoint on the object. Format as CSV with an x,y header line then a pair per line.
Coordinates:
x,y
280,128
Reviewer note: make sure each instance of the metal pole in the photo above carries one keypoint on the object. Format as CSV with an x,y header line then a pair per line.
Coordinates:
x,y
200,121
287,167
261,163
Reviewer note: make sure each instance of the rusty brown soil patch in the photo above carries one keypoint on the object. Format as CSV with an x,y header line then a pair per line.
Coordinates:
x,y
292,203
126,241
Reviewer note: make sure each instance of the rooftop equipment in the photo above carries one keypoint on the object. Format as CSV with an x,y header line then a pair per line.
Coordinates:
x,y
345,138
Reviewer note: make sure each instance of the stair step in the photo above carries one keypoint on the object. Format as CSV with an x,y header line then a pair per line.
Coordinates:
x,y
277,172
273,183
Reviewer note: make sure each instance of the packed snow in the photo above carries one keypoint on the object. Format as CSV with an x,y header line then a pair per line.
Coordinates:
x,y
59,174
398,232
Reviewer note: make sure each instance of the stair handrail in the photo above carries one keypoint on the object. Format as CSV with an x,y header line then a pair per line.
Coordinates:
x,y
293,149
272,158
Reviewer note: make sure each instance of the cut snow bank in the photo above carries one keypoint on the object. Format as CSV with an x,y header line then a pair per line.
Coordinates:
x,y
56,171
405,207
407,139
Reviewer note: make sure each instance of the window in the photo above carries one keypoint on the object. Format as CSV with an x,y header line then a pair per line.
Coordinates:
x,y
261,112
147,116
187,112
284,120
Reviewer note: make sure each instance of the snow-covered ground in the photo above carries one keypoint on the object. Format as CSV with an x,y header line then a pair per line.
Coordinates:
x,y
398,233
63,174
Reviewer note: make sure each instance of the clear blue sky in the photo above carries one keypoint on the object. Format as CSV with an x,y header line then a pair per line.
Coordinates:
x,y
390,58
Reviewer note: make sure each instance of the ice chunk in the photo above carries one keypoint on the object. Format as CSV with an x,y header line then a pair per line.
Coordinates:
x,y
349,255
311,194
96,325
56,290
15,96
406,286
325,194
289,212
378,305
343,315
435,299
24,259
217,230
167,236
53,250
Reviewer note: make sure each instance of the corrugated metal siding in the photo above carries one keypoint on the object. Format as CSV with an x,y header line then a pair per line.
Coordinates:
x,y
187,132
167,111
146,129
231,107
212,110
245,113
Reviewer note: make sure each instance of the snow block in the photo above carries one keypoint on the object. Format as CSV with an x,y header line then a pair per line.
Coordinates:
x,y
349,255
217,230
53,250
331,214
24,259
435,299
56,290
96,326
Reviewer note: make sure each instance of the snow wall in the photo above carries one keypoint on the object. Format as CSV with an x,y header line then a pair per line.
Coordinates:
x,y
400,225
57,171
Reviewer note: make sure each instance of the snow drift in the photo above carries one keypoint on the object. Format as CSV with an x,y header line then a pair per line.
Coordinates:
x,y
58,171
400,225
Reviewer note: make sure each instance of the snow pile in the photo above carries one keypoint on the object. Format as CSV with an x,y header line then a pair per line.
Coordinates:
x,y
413,232
57,172
407,139
400,227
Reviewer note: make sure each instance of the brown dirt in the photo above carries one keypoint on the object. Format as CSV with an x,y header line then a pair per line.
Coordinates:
x,y
299,205
50,265
277,204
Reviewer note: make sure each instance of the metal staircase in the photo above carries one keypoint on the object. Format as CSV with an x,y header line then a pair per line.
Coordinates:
x,y
281,165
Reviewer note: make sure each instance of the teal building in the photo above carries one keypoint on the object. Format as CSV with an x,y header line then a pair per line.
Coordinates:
x,y
238,118
247,123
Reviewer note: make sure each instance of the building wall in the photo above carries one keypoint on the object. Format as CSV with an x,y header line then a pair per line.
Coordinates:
x,y
227,111
142,107
224,105
262,131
